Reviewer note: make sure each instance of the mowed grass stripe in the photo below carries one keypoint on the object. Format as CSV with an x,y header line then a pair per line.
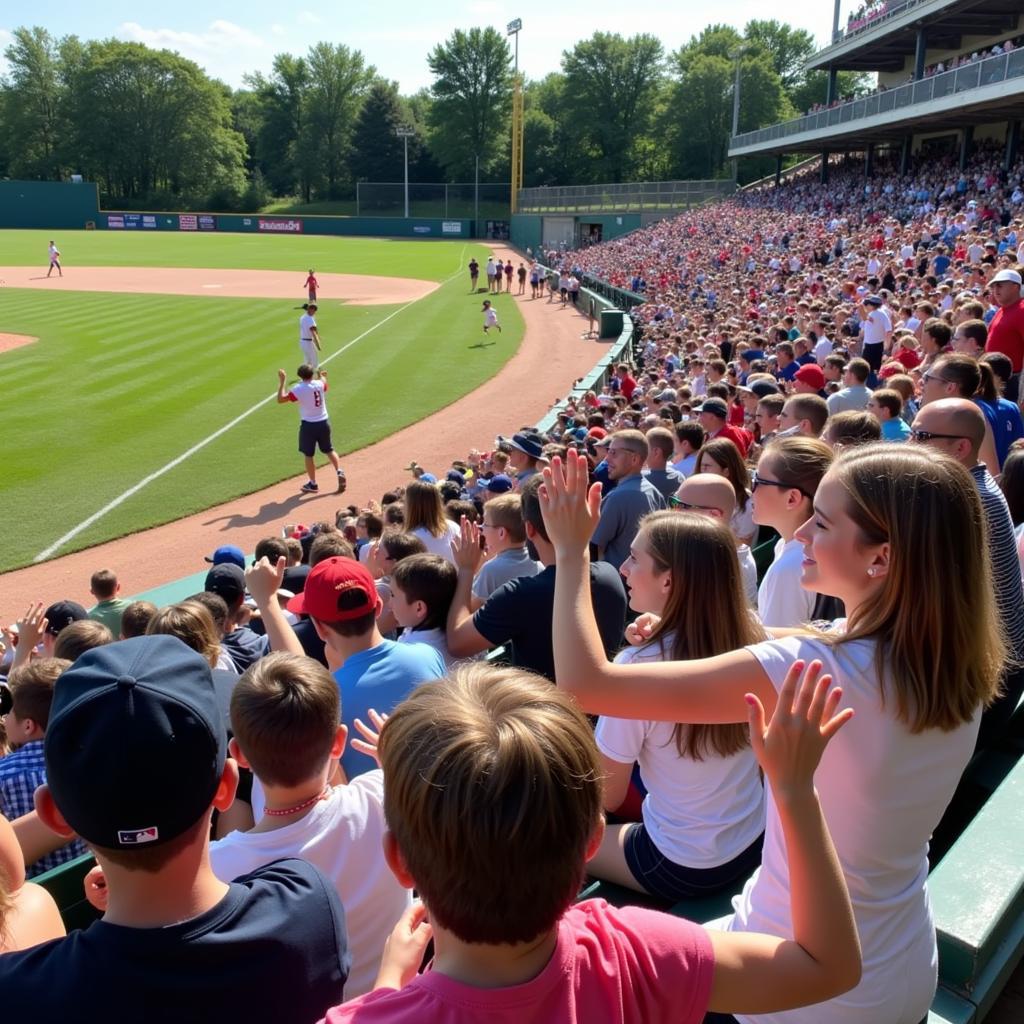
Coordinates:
x,y
145,378
428,260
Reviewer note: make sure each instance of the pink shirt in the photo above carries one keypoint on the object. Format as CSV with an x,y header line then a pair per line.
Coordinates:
x,y
627,965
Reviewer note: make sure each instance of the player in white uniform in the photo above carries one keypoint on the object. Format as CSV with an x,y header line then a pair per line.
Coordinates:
x,y
490,317
54,254
314,428
309,336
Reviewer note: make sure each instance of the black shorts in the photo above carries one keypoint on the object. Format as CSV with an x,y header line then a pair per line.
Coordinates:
x,y
313,433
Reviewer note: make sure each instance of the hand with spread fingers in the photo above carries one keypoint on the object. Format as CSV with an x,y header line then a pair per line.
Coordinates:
x,y
571,509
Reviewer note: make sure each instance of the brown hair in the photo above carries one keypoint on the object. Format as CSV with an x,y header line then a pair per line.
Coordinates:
x,y
506,511
74,640
493,793
662,439
135,618
430,579
902,383
890,399
103,584
974,379
976,330
938,330
940,656
192,623
423,508
530,503
812,408
329,545
705,613
799,462
727,455
32,688
271,548
285,711
853,426
401,545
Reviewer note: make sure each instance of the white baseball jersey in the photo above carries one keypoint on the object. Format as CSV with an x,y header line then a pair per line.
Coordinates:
x,y
54,252
310,396
306,325
491,317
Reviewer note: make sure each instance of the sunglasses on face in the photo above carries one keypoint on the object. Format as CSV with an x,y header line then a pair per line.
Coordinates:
x,y
924,436
685,506
760,481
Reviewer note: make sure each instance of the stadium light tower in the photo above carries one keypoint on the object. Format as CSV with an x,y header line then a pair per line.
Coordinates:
x,y
405,134
737,55
513,29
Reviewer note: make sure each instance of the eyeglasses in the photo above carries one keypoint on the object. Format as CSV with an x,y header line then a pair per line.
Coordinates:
x,y
924,436
685,506
757,481
928,375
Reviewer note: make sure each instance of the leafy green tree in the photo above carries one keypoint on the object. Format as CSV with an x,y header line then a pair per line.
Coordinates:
x,y
377,151
472,98
814,88
611,85
787,48
555,153
281,98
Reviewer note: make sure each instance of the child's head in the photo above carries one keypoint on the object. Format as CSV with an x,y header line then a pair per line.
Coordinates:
x,y
493,800
32,695
193,624
103,585
885,404
135,618
396,546
79,637
285,711
423,587
503,525
305,371
341,599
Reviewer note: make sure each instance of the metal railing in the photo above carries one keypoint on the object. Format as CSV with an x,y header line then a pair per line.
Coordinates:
x,y
854,27
990,71
632,197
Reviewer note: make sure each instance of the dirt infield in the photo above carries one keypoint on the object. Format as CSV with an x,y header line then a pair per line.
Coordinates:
x,y
9,341
552,355
351,289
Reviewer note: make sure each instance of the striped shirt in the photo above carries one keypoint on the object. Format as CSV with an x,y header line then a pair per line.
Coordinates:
x,y
21,773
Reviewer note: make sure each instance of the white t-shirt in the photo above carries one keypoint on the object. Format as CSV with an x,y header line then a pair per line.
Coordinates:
x,y
490,316
342,836
748,572
310,396
742,522
823,349
876,326
54,252
781,601
699,814
439,545
436,638
306,325
883,790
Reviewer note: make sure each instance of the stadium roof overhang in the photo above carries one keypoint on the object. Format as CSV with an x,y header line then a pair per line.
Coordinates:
x,y
986,105
947,22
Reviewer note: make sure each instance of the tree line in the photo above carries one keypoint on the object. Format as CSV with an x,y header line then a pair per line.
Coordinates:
x,y
153,129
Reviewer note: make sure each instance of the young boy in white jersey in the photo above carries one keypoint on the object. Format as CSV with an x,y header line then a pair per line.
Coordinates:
x,y
422,589
490,317
54,254
314,428
309,334
285,711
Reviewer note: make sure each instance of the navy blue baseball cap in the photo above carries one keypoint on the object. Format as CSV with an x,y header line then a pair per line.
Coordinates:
x,y
136,742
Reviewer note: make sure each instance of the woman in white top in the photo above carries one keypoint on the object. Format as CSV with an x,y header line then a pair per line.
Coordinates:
x,y
783,488
721,457
919,656
703,816
425,518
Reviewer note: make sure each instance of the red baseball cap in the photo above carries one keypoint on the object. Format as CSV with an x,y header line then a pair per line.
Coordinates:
x,y
811,375
330,579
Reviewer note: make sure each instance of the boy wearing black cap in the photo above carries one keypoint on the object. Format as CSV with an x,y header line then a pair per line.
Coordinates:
x,y
242,645
136,763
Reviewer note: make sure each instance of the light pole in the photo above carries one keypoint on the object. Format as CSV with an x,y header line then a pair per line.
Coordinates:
x,y
405,134
513,29
737,56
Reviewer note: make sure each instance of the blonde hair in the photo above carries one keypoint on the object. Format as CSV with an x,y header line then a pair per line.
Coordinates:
x,y
506,511
939,656
192,623
424,508
493,793
706,611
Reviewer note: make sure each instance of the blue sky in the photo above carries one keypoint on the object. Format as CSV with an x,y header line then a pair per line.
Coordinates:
x,y
228,40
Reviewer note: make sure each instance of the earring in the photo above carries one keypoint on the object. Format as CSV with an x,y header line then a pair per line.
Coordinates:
x,y
871,572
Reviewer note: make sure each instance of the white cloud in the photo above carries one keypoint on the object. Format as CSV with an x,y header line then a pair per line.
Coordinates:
x,y
277,30
219,37
309,18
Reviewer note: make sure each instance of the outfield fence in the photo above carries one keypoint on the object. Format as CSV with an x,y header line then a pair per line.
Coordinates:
x,y
456,200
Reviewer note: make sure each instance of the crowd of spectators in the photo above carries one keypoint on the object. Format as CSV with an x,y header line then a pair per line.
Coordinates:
x,y
817,424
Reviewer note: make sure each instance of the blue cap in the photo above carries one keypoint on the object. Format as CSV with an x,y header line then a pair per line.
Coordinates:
x,y
228,553
428,478
499,484
136,742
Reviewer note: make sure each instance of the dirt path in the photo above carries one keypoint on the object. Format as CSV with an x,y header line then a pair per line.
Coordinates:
x,y
351,289
551,357
10,341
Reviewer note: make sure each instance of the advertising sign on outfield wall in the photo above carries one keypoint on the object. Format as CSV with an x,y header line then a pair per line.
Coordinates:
x,y
451,227
148,221
207,222
188,222
277,224
115,220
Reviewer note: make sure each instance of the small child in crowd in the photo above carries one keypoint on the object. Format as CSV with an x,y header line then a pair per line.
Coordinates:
x,y
423,587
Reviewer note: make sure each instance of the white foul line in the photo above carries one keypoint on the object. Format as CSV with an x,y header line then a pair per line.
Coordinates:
x,y
145,481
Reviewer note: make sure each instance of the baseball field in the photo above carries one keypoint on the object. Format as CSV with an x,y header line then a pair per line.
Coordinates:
x,y
139,387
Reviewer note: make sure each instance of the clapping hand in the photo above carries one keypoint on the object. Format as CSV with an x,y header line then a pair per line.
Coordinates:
x,y
466,547
570,508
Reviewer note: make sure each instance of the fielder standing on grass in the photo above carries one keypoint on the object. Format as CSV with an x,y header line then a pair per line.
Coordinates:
x,y
309,336
311,286
314,427
54,260
490,316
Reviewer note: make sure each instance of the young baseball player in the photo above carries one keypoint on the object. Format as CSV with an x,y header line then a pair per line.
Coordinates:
x,y
490,317
311,286
314,428
309,336
54,260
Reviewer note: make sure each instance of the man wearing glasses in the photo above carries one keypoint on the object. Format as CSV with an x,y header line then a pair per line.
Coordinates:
x,y
956,427
633,497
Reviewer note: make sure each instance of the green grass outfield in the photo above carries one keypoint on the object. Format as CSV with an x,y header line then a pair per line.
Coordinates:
x,y
120,385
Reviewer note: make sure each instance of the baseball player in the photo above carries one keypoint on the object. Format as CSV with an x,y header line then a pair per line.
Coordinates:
x,y
311,286
309,336
490,316
54,260
314,428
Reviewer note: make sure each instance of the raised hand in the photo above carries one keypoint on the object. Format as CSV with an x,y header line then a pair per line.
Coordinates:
x,y
371,736
804,720
466,547
570,509
404,949
263,580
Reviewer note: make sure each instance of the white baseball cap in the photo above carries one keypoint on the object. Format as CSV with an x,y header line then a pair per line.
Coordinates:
x,y
1006,275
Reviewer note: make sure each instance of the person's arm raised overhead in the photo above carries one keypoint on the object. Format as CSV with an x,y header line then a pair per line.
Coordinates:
x,y
282,388
757,973
263,581
463,637
710,690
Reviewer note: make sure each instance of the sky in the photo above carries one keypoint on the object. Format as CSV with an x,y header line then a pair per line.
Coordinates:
x,y
229,40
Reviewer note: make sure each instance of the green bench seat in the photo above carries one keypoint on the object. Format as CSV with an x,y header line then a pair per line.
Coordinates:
x,y
66,885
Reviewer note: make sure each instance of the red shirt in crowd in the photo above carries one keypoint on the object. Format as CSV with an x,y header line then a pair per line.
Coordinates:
x,y
627,385
739,437
1006,334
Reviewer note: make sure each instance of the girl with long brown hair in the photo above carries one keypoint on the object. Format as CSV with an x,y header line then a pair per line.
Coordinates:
x,y
424,517
703,816
919,657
